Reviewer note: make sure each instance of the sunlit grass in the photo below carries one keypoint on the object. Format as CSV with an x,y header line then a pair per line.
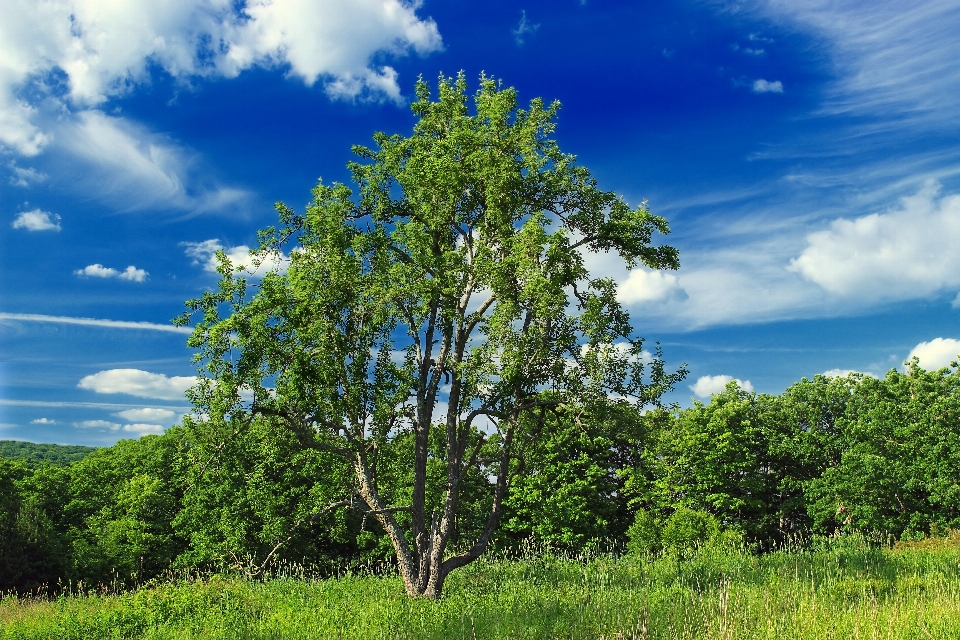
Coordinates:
x,y
843,589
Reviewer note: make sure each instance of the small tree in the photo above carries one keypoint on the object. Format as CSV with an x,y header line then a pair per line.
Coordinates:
x,y
449,292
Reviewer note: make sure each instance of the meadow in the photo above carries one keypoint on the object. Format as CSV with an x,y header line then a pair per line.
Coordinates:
x,y
836,588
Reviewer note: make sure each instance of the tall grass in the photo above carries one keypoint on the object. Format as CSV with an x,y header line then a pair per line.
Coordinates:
x,y
843,588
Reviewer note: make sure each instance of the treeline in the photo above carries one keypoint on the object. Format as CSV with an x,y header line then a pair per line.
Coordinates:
x,y
832,454
37,454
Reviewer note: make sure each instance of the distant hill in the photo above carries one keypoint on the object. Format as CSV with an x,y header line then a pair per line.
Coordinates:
x,y
36,454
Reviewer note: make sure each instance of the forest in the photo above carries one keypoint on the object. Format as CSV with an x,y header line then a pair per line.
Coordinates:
x,y
829,455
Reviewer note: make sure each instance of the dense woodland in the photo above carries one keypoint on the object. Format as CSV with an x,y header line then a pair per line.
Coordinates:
x,y
828,455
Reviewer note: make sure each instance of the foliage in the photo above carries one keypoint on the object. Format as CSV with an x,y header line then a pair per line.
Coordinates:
x,y
854,454
899,444
687,530
643,535
35,454
448,294
257,504
569,487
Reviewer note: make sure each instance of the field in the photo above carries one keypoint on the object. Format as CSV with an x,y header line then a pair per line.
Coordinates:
x,y
839,589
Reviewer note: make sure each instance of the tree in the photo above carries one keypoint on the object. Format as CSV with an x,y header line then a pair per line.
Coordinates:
x,y
570,487
446,300
714,458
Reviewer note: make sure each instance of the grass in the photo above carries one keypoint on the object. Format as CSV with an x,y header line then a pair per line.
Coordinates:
x,y
843,589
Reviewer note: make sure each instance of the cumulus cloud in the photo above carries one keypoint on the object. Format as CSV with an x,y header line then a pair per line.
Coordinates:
x,y
839,373
152,414
644,285
906,253
139,383
205,254
765,86
79,53
143,429
37,220
936,353
131,273
43,421
706,386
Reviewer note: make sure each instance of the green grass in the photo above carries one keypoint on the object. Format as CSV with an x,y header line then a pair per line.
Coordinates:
x,y
843,590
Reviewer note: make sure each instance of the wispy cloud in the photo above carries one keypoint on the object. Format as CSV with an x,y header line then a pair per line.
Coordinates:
x,y
102,406
889,56
765,86
94,322
25,176
131,273
135,168
97,424
146,413
524,28
37,220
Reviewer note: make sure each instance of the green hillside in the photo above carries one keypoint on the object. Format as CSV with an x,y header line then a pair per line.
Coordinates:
x,y
36,454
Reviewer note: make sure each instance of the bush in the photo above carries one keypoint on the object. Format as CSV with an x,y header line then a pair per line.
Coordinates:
x,y
643,536
687,530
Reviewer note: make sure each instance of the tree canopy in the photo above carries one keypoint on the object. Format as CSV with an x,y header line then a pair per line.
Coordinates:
x,y
434,318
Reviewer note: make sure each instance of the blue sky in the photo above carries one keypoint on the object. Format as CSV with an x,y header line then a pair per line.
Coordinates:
x,y
806,155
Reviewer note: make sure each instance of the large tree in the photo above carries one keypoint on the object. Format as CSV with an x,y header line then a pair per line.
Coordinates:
x,y
440,311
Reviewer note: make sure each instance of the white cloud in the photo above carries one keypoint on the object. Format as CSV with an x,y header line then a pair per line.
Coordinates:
x,y
43,421
138,383
936,353
205,254
131,273
98,424
93,50
133,167
888,56
523,28
105,406
838,373
764,86
956,302
37,220
645,285
906,253
705,386
25,176
145,414
93,322
143,428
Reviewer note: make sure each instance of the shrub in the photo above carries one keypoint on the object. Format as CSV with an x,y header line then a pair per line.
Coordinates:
x,y
643,536
687,530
